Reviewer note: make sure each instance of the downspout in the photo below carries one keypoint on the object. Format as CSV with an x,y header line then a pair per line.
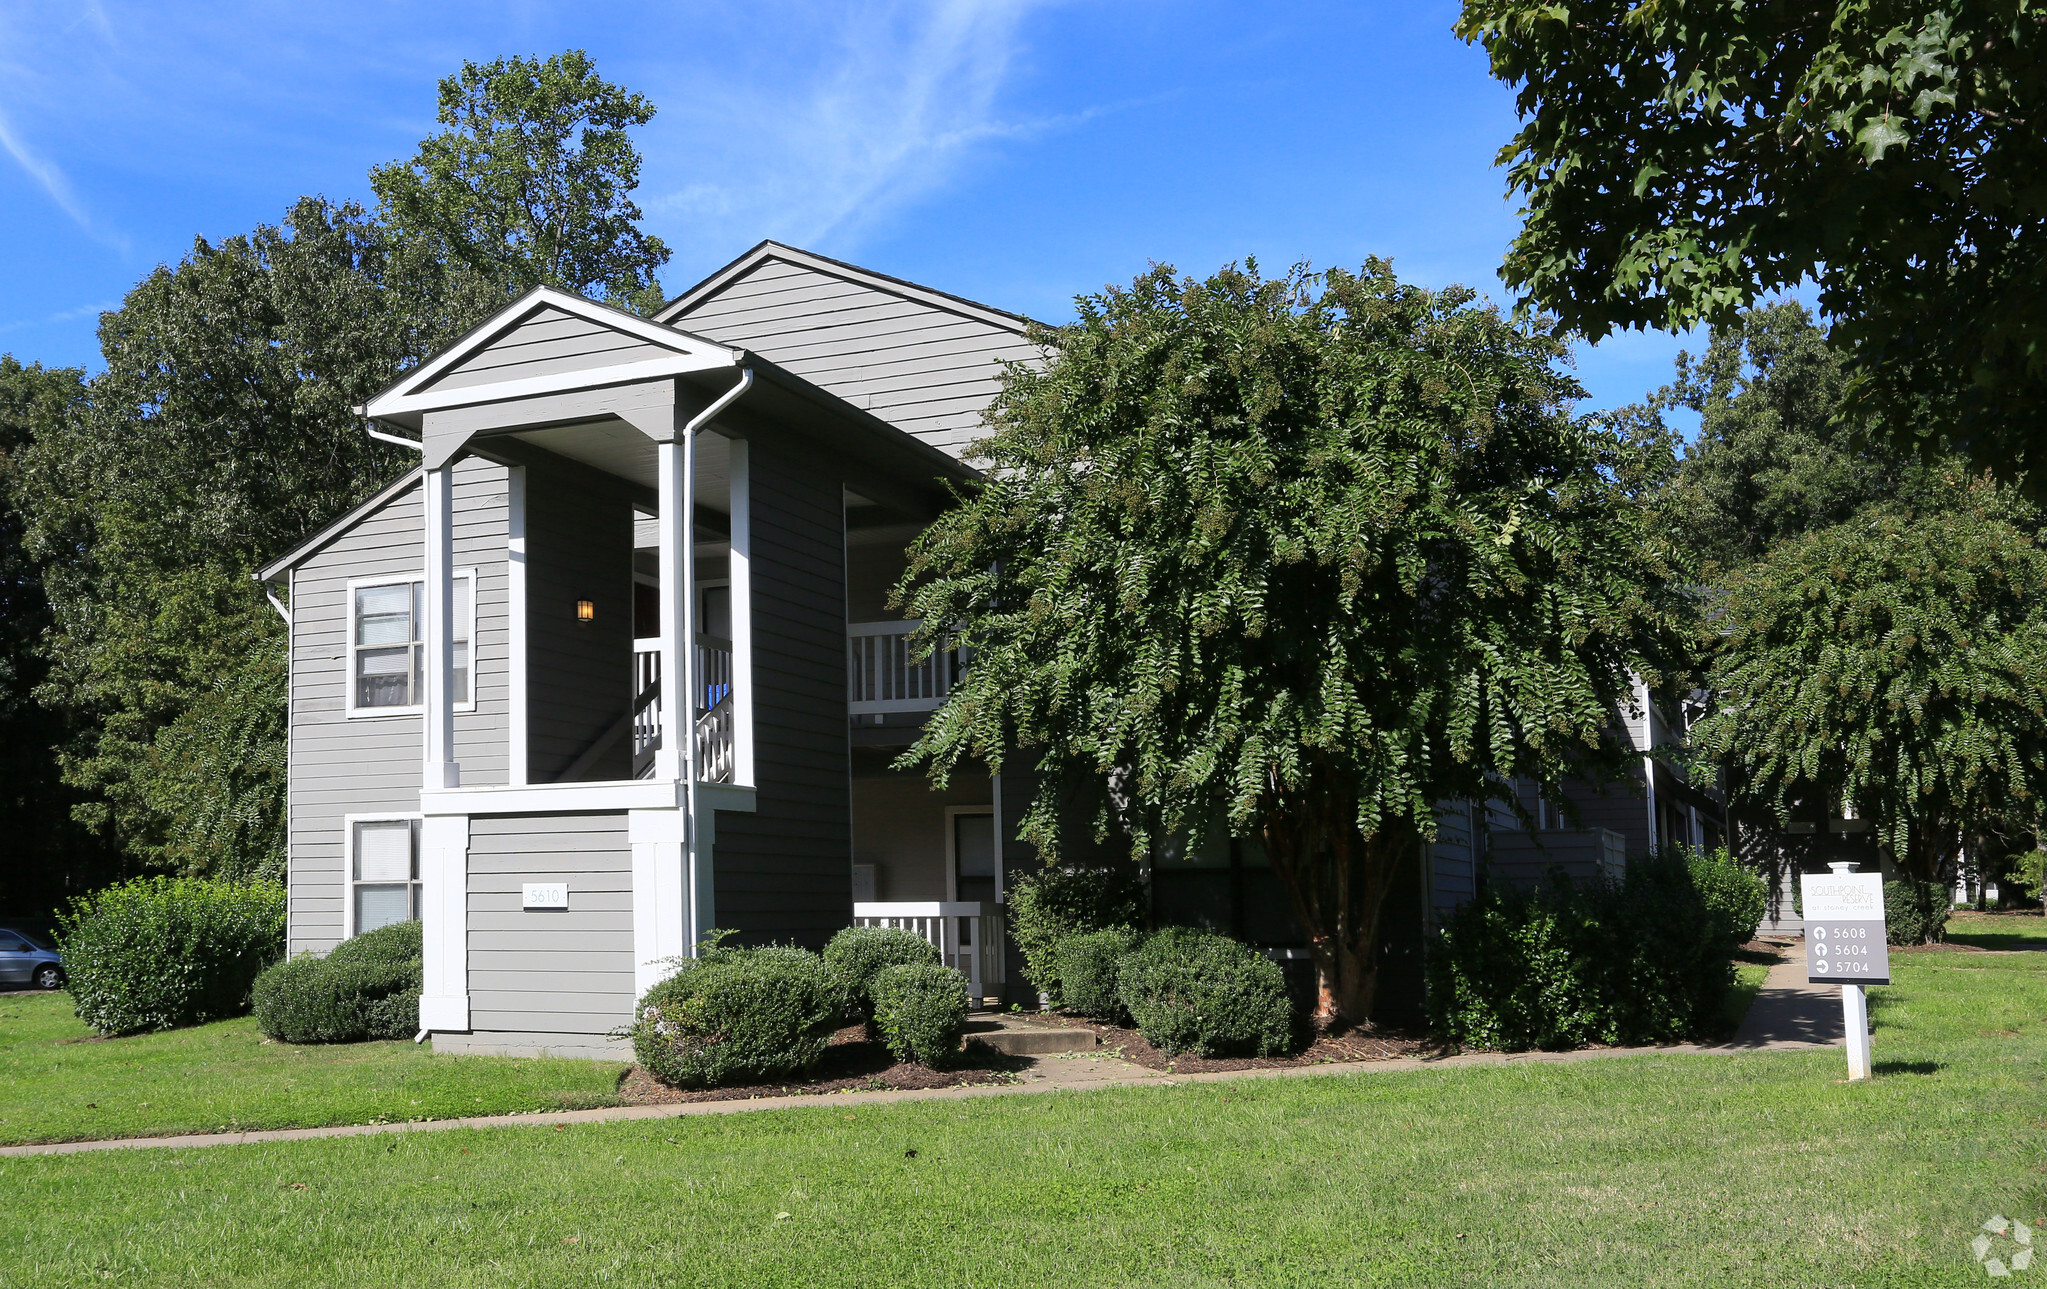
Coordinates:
x,y
686,708
277,604
419,446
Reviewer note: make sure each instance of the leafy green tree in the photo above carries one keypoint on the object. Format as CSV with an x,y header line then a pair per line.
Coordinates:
x,y
529,184
1775,456
222,432
1895,665
48,856
1682,161
219,433
1303,555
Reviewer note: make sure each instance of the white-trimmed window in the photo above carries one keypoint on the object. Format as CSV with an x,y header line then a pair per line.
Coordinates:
x,y
387,644
383,872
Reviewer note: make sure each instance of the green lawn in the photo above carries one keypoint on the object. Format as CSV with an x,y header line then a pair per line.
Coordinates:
x,y
58,1083
1998,930
1761,1169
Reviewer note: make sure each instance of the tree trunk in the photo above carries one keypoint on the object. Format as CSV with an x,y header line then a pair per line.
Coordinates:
x,y
1339,880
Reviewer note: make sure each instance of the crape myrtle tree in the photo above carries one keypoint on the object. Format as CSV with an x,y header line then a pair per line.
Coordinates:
x,y
1305,556
1896,666
1680,161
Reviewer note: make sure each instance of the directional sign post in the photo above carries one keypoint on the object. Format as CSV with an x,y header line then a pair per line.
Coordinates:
x,y
1844,945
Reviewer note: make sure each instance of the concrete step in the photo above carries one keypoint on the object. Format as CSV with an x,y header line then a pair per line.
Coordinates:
x,y
1020,1039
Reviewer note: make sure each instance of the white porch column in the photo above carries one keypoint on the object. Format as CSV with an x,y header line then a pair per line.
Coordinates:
x,y
737,470
437,708
444,922
515,594
677,755
662,918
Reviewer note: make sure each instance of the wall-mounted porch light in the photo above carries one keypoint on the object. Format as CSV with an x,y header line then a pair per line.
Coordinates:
x,y
586,611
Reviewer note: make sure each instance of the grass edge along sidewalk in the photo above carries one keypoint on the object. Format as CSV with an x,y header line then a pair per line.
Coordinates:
x,y
1531,1170
97,1091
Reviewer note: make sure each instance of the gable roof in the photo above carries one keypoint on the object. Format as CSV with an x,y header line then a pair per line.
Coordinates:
x,y
329,531
773,250
546,341
922,360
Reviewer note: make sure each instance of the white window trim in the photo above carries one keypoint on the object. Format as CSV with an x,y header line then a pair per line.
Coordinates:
x,y
348,882
356,713
952,845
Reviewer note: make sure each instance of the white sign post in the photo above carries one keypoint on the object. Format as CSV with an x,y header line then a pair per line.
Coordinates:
x,y
1844,944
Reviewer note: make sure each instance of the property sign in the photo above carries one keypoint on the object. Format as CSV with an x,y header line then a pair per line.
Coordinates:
x,y
545,895
1844,929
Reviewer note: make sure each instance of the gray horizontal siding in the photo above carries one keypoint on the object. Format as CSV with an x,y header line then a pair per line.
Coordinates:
x,y
555,971
923,368
579,543
371,765
549,343
784,872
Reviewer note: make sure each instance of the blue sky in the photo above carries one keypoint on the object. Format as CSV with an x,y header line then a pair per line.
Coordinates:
x,y
1013,151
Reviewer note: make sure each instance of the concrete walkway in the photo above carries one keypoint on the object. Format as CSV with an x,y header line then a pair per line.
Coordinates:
x,y
1064,1073
1789,1011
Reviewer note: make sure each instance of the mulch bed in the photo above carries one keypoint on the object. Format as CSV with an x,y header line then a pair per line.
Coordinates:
x,y
851,1063
1327,1049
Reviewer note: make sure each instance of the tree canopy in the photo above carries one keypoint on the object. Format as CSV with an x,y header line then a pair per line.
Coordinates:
x,y
1776,456
222,431
1304,556
530,184
1894,666
1683,161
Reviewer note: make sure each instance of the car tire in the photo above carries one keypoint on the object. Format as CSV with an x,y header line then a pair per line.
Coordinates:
x,y
48,976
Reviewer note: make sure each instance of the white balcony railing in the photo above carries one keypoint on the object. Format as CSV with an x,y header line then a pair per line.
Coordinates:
x,y
883,677
713,708
968,937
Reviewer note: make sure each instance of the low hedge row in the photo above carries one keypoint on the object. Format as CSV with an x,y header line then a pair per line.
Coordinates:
x,y
1643,960
920,1009
160,952
733,1015
367,988
858,954
1047,907
1185,989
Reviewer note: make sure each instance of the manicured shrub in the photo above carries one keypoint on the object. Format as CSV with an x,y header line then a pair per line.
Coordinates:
x,y
920,1008
858,954
1086,962
737,1015
1736,897
159,952
1915,912
1047,906
1193,990
1642,960
366,988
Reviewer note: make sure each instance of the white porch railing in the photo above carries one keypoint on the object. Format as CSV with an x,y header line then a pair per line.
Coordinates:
x,y
968,936
713,708
881,677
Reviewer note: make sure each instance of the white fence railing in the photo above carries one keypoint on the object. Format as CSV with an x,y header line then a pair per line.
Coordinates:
x,y
712,711
882,675
968,936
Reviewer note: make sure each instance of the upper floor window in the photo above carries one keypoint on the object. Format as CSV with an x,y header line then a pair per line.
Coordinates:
x,y
387,643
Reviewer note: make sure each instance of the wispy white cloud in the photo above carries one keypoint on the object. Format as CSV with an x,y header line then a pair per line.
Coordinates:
x,y
62,315
891,102
45,173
